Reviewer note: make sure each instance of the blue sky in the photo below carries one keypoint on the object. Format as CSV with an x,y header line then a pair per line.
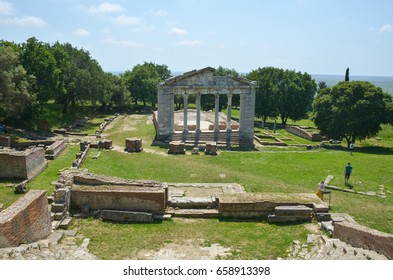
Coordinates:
x,y
318,37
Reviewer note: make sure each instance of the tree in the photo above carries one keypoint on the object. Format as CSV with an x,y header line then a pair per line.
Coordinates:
x,y
283,93
143,79
347,75
351,110
37,59
268,79
15,99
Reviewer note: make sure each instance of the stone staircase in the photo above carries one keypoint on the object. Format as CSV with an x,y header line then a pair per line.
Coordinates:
x,y
192,138
320,247
193,207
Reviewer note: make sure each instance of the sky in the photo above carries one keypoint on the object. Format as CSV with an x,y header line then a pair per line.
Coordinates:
x,y
313,36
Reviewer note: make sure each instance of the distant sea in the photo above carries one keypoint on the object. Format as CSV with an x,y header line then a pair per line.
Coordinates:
x,y
386,83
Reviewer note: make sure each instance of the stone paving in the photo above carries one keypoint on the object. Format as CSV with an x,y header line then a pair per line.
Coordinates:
x,y
60,245
320,247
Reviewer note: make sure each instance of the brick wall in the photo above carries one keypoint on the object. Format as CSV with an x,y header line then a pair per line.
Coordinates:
x,y
364,237
25,221
22,164
303,133
128,200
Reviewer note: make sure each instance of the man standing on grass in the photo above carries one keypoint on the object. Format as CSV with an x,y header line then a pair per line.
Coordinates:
x,y
348,171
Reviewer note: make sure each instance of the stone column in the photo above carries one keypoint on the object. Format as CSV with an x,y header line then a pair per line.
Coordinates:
x,y
198,112
165,112
229,115
185,115
216,113
172,114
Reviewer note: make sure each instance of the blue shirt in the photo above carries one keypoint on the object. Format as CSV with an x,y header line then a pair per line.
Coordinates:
x,y
348,169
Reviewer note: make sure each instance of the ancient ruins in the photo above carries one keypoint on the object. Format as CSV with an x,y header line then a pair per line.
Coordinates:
x,y
198,83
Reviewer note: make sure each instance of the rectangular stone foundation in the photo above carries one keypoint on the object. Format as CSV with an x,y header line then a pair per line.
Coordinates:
x,y
124,198
22,164
260,205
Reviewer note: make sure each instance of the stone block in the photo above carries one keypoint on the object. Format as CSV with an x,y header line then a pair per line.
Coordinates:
x,y
295,210
21,187
176,148
107,144
59,216
287,219
211,148
61,195
66,223
57,207
133,145
126,216
321,217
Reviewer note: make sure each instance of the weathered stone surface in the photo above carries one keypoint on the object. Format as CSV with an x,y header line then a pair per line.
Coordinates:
x,y
25,221
57,207
176,148
261,204
287,219
363,237
211,148
126,216
66,223
55,149
133,145
293,210
22,164
193,202
21,187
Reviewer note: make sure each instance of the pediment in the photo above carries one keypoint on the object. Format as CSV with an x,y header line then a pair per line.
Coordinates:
x,y
205,78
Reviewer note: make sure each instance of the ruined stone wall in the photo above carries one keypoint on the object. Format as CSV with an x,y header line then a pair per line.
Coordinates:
x,y
260,205
127,200
22,164
25,221
364,237
12,164
303,133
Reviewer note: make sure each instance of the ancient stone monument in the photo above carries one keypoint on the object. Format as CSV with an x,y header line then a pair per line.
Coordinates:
x,y
198,83
22,164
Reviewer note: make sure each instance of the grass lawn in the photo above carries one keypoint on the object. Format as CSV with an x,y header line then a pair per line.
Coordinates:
x,y
272,169
247,240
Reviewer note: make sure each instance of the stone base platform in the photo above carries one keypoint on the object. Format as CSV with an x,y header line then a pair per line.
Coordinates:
x,y
260,205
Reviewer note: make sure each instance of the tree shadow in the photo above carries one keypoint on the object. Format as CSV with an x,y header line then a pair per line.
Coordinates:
x,y
376,150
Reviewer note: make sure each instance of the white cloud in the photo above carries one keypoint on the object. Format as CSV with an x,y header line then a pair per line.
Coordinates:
x,y
6,8
105,8
178,31
123,43
188,43
82,32
385,28
25,21
123,19
159,13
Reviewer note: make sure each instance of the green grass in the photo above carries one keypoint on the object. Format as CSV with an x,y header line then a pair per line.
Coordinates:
x,y
51,173
247,240
7,192
272,169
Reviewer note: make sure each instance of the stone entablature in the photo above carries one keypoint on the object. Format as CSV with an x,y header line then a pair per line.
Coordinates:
x,y
200,82
25,221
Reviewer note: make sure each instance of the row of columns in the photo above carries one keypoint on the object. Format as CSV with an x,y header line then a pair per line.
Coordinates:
x,y
198,113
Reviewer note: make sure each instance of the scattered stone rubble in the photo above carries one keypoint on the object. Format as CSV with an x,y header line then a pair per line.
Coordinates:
x,y
321,247
60,245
